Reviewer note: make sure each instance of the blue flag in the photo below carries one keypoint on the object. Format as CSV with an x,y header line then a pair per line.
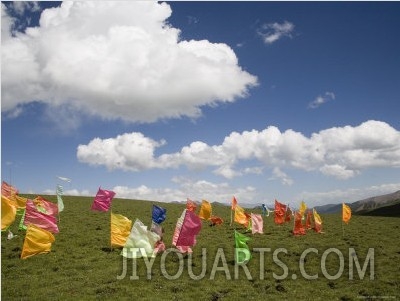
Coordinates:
x,y
159,214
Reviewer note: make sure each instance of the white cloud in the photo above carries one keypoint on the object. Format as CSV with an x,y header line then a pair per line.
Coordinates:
x,y
321,99
195,190
279,174
341,152
133,152
272,32
117,60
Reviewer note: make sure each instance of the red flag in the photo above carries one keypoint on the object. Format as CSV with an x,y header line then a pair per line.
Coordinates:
x,y
216,220
102,201
298,226
191,226
190,205
288,214
280,210
8,190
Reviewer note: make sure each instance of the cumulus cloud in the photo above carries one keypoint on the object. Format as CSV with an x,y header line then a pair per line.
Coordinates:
x,y
279,174
341,152
321,99
116,60
272,32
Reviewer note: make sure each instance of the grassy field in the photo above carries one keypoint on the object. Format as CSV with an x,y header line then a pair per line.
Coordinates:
x,y
82,266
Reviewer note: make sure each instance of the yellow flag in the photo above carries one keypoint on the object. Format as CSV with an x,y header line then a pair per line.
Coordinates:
x,y
120,229
37,241
8,212
205,210
302,208
346,213
317,222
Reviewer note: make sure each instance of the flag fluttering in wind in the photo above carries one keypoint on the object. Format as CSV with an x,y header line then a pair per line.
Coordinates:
x,y
298,225
302,208
40,219
159,214
64,179
45,206
317,222
20,201
178,227
191,227
8,212
346,213
242,253
240,216
190,205
120,229
103,199
288,214
140,242
308,220
233,203
37,241
60,202
216,220
205,210
280,210
257,223
8,190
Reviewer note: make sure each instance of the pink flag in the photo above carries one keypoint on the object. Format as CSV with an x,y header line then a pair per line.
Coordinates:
x,y
46,206
257,223
191,226
102,201
40,219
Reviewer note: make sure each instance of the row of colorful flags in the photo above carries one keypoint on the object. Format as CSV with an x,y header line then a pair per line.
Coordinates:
x,y
40,217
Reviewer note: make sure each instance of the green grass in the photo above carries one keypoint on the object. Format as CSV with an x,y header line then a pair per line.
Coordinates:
x,y
81,265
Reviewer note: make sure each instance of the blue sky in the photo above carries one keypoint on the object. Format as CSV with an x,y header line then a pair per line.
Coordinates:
x,y
203,100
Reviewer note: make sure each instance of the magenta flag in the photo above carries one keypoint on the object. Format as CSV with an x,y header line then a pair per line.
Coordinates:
x,y
256,223
191,226
102,201
39,219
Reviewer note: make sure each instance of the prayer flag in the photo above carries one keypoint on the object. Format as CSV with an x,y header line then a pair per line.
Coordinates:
x,y
298,226
346,213
60,202
37,241
280,210
120,229
103,199
317,222
8,212
257,223
190,205
205,210
191,227
40,219
159,214
241,244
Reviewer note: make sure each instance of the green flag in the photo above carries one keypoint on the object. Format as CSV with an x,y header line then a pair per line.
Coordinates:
x,y
242,253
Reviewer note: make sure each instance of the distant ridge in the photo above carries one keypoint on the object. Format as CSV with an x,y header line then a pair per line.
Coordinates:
x,y
387,204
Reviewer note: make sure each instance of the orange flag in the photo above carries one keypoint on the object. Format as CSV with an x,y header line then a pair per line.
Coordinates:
x,y
216,220
120,229
317,222
205,210
240,216
280,210
37,241
346,213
